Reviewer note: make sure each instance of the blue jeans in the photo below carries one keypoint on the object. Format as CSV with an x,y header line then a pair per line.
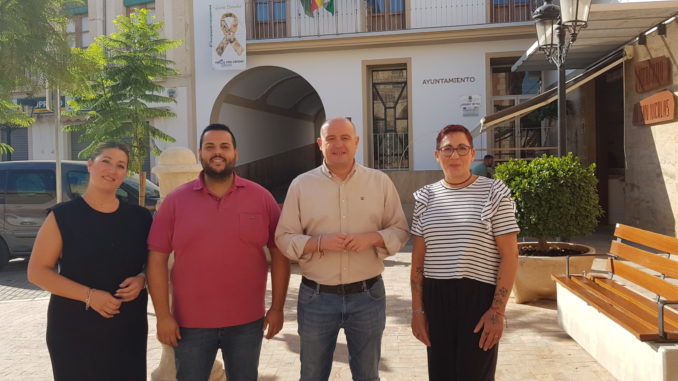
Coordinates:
x,y
322,315
240,347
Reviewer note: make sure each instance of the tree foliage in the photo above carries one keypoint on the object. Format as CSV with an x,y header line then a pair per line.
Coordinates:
x,y
33,52
121,73
555,196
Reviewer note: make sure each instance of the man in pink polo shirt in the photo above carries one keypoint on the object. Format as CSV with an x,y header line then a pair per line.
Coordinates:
x,y
217,226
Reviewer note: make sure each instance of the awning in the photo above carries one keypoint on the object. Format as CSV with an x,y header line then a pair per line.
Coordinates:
x,y
549,96
610,27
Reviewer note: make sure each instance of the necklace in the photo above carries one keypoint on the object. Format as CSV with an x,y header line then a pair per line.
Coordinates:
x,y
467,179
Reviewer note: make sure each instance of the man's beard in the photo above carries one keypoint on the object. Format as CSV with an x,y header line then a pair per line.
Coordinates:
x,y
220,175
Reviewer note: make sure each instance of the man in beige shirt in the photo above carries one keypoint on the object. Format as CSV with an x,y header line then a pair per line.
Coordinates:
x,y
340,221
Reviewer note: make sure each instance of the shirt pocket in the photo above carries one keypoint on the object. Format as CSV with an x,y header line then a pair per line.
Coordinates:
x,y
252,229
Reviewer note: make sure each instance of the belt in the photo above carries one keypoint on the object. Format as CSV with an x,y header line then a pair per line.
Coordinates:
x,y
342,289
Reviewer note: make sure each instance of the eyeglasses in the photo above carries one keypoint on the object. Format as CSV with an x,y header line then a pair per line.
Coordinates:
x,y
447,151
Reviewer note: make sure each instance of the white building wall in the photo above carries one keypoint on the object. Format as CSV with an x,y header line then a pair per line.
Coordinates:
x,y
337,77
178,126
260,134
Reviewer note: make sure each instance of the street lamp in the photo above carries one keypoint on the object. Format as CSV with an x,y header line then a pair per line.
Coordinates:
x,y
552,27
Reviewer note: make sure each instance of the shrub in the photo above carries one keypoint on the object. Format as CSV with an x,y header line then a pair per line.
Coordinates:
x,y
555,196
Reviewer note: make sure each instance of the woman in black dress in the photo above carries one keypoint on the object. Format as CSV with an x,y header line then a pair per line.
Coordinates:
x,y
90,254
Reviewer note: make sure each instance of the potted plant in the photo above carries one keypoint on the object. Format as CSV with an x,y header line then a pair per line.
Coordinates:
x,y
556,197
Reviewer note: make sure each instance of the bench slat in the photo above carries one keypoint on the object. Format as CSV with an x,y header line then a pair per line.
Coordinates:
x,y
630,309
644,258
637,329
634,297
654,240
645,280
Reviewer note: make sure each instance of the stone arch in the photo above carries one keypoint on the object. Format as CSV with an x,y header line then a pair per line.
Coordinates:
x,y
275,115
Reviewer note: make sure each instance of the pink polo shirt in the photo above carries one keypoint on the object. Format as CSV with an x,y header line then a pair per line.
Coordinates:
x,y
220,270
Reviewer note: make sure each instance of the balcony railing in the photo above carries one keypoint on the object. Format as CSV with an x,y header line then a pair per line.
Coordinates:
x,y
276,19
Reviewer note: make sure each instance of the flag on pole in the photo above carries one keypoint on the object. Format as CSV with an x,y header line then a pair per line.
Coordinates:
x,y
310,6
329,6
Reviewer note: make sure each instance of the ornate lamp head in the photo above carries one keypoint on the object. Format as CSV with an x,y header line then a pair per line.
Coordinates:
x,y
575,14
546,19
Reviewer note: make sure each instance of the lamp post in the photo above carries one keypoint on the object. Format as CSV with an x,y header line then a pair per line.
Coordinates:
x,y
553,26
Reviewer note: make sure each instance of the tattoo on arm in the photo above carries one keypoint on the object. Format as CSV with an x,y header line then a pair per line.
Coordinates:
x,y
417,282
499,297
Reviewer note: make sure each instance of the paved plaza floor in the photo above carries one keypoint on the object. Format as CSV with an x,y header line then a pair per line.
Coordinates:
x,y
533,347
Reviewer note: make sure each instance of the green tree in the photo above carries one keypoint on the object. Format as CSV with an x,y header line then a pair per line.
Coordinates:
x,y
33,52
121,73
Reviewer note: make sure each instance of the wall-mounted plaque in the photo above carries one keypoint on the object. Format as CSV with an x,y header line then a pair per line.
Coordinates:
x,y
652,74
658,108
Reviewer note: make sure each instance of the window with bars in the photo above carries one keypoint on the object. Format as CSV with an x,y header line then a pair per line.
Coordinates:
x,y
389,102
270,19
385,15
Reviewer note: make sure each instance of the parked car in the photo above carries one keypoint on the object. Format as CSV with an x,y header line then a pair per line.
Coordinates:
x,y
27,191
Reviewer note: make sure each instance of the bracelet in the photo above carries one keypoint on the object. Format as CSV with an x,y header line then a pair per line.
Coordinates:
x,y
418,312
320,237
89,297
143,275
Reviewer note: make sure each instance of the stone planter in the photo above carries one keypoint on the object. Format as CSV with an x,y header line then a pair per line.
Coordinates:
x,y
533,278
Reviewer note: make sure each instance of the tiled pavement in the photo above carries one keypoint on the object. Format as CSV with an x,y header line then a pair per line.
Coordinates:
x,y
533,347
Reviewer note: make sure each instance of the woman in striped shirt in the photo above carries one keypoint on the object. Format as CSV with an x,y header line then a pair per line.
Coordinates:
x,y
464,261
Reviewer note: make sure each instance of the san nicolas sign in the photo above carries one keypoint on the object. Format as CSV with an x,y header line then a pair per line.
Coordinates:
x,y
658,108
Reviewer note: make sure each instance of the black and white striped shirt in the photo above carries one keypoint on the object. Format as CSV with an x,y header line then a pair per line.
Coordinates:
x,y
459,226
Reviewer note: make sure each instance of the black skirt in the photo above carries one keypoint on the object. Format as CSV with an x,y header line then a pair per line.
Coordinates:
x,y
453,307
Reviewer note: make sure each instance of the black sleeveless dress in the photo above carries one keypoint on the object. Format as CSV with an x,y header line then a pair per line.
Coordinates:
x,y
100,250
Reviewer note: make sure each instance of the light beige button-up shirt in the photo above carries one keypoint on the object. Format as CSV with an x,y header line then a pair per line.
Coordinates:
x,y
319,202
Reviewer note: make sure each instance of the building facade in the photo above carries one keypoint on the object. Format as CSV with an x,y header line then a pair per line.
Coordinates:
x,y
651,173
401,70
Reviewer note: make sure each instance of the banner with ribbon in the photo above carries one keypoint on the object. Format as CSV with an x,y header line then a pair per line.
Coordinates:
x,y
228,38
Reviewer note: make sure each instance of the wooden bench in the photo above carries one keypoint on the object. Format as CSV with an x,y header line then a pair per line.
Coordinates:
x,y
627,326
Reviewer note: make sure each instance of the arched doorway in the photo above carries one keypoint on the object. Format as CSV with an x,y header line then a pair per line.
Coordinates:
x,y
275,115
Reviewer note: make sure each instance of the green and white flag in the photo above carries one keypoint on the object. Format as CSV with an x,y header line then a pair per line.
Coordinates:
x,y
310,6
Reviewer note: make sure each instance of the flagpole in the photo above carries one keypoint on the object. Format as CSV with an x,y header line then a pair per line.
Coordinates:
x,y
336,21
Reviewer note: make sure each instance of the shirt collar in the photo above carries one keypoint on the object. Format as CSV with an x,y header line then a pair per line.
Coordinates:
x,y
327,172
199,185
